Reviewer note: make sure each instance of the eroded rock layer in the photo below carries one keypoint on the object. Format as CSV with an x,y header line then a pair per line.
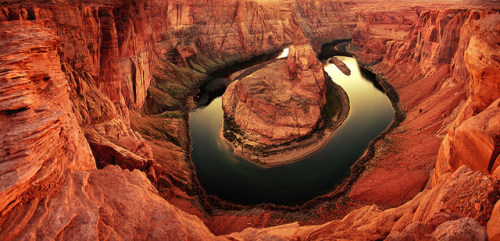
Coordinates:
x,y
73,73
40,137
279,103
473,138
429,58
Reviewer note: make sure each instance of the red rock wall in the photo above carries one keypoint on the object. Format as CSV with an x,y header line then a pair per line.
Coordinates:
x,y
40,138
76,67
374,29
50,187
427,68
474,137
326,20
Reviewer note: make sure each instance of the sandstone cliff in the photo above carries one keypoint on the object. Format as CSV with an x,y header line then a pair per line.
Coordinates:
x,y
73,72
41,139
429,58
279,103
51,188
473,138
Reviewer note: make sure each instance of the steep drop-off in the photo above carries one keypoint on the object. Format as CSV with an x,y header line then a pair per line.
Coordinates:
x,y
50,186
280,103
74,74
429,58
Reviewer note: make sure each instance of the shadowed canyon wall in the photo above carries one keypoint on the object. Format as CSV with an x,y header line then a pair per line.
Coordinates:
x,y
80,79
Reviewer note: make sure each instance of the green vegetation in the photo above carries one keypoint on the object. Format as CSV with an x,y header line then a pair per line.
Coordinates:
x,y
177,81
174,83
207,64
176,114
161,128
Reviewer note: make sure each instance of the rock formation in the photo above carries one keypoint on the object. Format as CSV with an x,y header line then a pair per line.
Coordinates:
x,y
75,77
431,59
342,67
279,103
473,138
51,188
41,138
267,113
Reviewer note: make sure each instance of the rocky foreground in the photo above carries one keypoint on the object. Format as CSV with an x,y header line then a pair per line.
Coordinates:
x,y
79,81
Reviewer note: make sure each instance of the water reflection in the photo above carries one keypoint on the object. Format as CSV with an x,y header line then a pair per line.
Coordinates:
x,y
365,99
284,54
241,181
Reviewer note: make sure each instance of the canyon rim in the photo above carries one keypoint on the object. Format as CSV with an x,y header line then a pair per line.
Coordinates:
x,y
97,99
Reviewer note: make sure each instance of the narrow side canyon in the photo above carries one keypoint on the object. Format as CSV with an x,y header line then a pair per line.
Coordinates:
x,y
95,99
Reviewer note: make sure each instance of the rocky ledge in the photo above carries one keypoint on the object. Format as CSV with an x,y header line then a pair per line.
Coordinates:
x,y
271,115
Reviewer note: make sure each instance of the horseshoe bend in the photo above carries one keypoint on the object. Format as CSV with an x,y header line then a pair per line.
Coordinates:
x,y
250,120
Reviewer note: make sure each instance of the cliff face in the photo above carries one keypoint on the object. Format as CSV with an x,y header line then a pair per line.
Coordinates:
x,y
374,29
280,102
41,139
326,20
73,73
50,186
473,138
429,58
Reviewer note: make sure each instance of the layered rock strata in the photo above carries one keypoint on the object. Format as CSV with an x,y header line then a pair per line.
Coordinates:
x,y
280,103
41,138
50,188
474,137
429,58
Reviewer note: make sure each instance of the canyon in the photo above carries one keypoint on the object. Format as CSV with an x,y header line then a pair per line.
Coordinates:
x,y
95,99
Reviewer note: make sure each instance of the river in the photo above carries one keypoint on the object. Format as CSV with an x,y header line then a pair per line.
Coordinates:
x,y
241,181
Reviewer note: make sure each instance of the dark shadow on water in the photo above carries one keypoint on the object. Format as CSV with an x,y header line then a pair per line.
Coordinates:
x,y
240,181
216,82
370,76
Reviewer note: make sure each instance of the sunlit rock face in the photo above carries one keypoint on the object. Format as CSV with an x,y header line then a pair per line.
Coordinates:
x,y
50,187
280,102
430,57
474,137
69,68
40,136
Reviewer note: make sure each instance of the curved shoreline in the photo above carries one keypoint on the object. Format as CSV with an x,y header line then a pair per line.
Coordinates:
x,y
297,150
211,203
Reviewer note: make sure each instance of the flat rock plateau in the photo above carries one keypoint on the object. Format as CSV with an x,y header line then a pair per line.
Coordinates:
x,y
95,97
